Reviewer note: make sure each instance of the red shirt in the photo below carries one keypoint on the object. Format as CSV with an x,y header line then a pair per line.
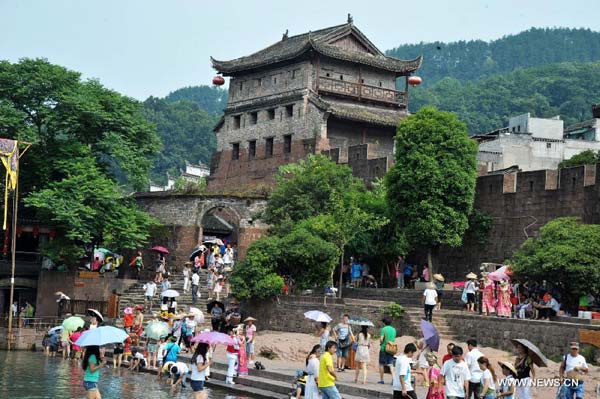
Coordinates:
x,y
74,337
128,320
447,356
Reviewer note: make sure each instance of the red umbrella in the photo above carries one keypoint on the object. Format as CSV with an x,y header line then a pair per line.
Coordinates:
x,y
160,249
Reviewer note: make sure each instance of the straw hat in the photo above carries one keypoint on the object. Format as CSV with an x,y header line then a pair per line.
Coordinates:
x,y
438,277
471,276
247,319
509,366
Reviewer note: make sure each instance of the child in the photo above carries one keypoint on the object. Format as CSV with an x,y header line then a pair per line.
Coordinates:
x,y
506,387
138,361
300,384
488,378
436,390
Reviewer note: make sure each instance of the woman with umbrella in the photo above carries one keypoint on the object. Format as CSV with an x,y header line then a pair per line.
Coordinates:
x,y
216,310
524,364
91,364
96,318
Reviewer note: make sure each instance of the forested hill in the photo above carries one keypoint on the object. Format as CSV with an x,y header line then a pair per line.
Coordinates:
x,y
565,89
475,59
184,122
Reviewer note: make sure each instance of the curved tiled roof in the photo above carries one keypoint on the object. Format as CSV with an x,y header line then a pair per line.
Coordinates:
x,y
319,41
359,113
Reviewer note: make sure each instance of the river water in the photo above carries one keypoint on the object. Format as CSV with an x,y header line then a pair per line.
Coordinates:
x,y
30,375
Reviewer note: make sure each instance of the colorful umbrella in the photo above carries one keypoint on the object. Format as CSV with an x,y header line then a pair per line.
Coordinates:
x,y
170,294
160,249
156,330
317,315
73,323
213,338
103,335
431,335
502,273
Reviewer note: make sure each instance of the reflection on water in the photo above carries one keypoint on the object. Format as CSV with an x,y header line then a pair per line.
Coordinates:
x,y
28,375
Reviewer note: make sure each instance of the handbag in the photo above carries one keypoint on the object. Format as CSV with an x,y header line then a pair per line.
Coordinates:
x,y
390,347
464,297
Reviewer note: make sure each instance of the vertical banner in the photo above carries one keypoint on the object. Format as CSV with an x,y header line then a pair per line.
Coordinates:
x,y
9,154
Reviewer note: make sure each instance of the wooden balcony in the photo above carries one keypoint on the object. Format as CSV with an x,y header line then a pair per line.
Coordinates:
x,y
362,91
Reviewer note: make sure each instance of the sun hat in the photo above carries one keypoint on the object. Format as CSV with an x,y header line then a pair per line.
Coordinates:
x,y
438,277
247,319
509,366
431,357
471,276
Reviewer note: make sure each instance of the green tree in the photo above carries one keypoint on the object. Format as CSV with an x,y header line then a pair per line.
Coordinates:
x,y
566,253
431,187
587,157
91,145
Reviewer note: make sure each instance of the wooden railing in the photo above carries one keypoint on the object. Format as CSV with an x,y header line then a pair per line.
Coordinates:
x,y
80,307
362,91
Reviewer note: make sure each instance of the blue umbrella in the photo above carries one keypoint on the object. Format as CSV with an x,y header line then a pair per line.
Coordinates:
x,y
102,336
431,335
56,329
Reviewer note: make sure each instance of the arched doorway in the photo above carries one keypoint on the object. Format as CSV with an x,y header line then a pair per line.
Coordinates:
x,y
222,223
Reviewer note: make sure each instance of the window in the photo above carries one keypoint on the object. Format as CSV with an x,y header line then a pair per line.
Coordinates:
x,y
235,151
519,128
269,147
548,145
241,86
328,74
380,84
271,113
258,82
274,80
341,77
362,81
237,119
253,118
251,148
289,110
293,74
531,186
287,143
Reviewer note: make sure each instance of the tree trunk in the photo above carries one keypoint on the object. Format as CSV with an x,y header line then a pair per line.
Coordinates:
x,y
341,273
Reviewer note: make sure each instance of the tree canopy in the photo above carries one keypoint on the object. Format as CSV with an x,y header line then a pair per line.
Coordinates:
x,y
90,145
431,187
587,157
568,251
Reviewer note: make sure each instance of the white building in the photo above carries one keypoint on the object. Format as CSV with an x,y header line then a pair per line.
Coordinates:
x,y
191,173
536,143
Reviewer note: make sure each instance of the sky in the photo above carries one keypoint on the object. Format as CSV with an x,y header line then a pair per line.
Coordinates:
x,y
152,47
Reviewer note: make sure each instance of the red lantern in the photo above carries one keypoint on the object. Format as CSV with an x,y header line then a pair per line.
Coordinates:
x,y
414,81
51,234
36,231
218,80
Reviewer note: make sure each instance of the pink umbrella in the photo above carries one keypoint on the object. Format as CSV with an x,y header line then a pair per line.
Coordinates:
x,y
502,273
213,338
160,249
128,310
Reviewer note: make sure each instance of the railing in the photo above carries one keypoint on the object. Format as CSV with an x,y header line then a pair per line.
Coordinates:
x,y
362,91
37,323
79,306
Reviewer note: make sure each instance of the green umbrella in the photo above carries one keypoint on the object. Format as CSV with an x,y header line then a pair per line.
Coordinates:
x,y
156,329
73,323
103,251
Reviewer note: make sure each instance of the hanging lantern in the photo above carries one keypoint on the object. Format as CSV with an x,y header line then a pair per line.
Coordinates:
x,y
19,231
218,80
414,81
36,231
52,234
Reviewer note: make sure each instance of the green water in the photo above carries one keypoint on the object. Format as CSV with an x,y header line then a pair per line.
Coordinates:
x,y
29,375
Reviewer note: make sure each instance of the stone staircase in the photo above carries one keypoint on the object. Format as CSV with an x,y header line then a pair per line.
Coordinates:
x,y
415,315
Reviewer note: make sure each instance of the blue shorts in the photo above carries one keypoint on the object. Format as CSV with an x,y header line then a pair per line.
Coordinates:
x,y
90,386
385,359
343,352
573,388
249,347
197,386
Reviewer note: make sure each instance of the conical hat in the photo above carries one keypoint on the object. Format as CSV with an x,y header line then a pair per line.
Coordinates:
x,y
471,275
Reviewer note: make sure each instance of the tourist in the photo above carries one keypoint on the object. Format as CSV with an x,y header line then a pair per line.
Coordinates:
x,y
311,390
138,361
218,285
217,317
138,264
29,312
128,319
401,378
399,268
299,384
228,257
322,331
65,344
117,355
195,284
232,357
165,284
422,363
149,292
96,263
448,354
15,309
327,377
471,291
472,362
408,272
138,321
210,279
186,278
200,362
355,274
166,370
198,261
152,348
438,280
342,334
364,271
171,351
242,355
219,264
504,304
188,328
430,300
436,390
387,348
525,372
93,323
362,356
573,367
127,347
46,343
161,268
506,386
92,363
488,379
549,309
179,372
455,376
75,349
250,338
425,274
488,301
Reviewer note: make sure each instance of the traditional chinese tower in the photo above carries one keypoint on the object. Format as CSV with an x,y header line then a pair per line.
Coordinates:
x,y
329,91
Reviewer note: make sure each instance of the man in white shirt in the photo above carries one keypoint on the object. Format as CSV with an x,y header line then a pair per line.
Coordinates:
x,y
476,373
401,378
179,373
455,376
573,365
195,284
149,292
429,301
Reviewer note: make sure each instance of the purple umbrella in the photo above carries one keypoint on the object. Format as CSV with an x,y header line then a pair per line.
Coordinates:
x,y
431,335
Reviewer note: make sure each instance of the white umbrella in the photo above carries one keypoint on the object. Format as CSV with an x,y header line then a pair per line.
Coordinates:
x,y
198,315
317,315
170,294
